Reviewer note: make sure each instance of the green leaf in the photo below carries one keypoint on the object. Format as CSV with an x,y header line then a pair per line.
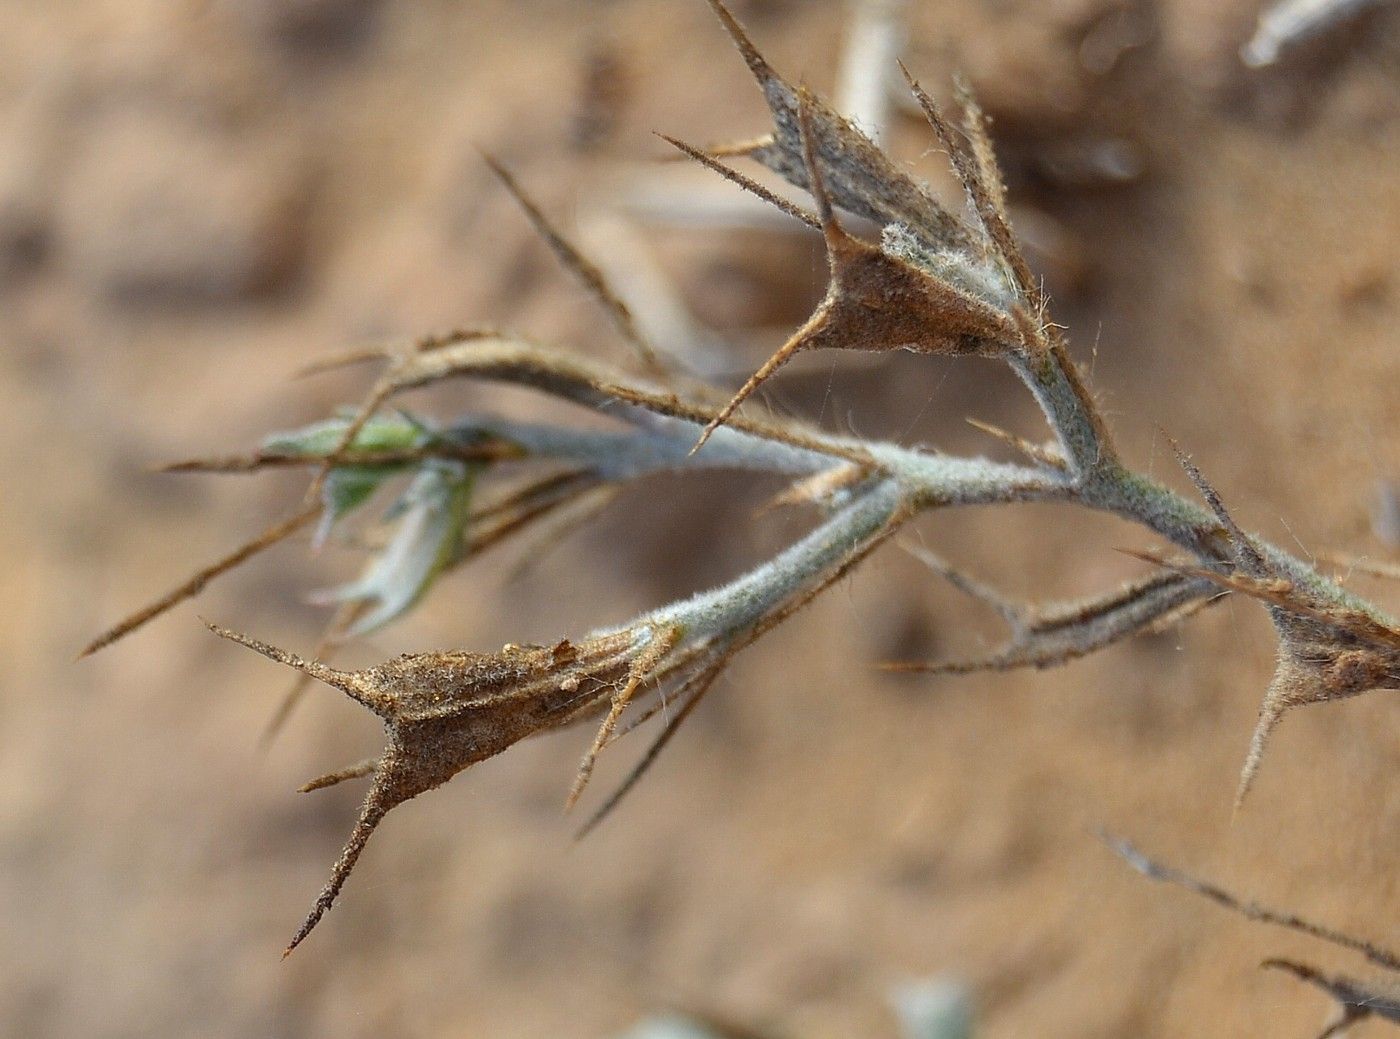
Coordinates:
x,y
347,487
397,432
432,518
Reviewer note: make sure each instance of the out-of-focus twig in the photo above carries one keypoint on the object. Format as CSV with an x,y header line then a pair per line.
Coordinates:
x,y
873,42
1155,870
1290,22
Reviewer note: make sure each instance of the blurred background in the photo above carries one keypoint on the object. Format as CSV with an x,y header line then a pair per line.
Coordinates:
x,y
199,198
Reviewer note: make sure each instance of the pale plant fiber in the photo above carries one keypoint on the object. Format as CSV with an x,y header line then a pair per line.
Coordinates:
x,y
935,281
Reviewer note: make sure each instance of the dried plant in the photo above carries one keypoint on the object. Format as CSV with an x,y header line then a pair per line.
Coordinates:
x,y
937,279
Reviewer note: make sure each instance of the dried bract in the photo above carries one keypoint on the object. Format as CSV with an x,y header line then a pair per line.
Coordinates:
x,y
884,298
860,177
444,712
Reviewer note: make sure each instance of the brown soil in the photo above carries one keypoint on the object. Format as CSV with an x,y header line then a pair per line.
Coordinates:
x,y
198,198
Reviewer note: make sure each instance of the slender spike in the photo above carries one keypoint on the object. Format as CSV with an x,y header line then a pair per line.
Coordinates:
x,y
343,359
758,65
1355,1001
974,162
1174,618
483,536
980,144
1282,595
739,149
924,667
1045,456
699,686
1073,630
548,488
396,348
780,357
355,771
484,451
835,240
957,148
745,182
577,264
343,680
331,638
1208,492
1244,545
249,463
348,682
1301,971
376,805
1013,613
680,662
1270,714
662,642
583,381
819,488
816,182
279,531
440,340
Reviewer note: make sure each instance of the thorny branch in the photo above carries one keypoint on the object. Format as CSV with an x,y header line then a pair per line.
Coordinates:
x,y
934,281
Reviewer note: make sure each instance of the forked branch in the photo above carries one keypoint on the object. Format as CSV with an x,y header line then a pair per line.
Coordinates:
x,y
1355,1000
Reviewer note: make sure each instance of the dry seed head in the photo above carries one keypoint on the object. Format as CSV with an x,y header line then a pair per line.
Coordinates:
x,y
1327,652
877,299
444,712
1315,672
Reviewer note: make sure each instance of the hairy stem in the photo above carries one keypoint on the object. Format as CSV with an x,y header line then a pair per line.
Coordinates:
x,y
743,602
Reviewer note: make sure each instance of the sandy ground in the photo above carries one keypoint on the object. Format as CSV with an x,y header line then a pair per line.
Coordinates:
x,y
198,198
